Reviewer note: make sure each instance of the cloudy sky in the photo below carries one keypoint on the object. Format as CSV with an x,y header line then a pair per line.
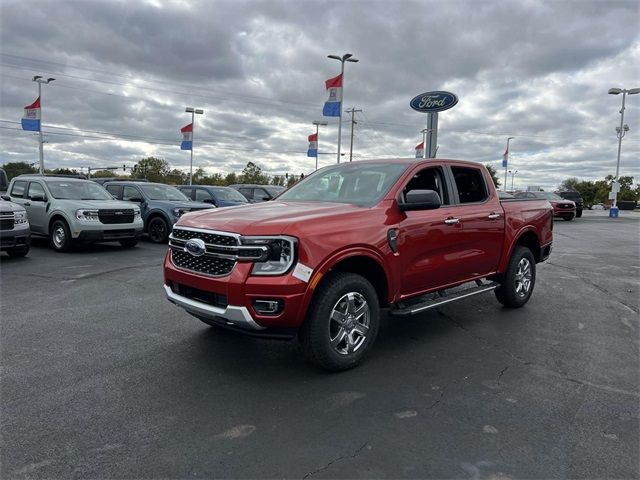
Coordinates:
x,y
125,70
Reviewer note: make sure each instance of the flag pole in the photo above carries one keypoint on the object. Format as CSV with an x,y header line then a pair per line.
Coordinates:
x,y
41,142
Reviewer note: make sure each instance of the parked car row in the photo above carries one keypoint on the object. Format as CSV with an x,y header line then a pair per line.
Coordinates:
x,y
565,209
73,210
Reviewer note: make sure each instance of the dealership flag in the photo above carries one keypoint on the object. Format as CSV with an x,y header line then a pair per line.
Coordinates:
x,y
31,119
505,158
187,137
420,150
313,145
332,105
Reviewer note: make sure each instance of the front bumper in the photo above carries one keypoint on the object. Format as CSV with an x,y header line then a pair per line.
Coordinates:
x,y
17,237
91,236
239,290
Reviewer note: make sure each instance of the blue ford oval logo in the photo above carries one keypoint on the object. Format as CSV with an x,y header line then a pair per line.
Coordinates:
x,y
195,247
434,101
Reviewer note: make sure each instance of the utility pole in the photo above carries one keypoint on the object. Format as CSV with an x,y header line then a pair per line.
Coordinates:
x,y
39,80
353,122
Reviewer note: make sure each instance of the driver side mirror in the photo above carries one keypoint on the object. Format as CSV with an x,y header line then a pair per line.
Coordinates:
x,y
420,200
6,197
37,198
135,199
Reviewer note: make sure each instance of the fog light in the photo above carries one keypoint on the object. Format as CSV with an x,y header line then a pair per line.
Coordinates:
x,y
267,307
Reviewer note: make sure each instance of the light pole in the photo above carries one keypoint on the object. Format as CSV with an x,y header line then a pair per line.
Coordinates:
x,y
317,123
193,112
39,80
505,162
620,131
347,57
513,174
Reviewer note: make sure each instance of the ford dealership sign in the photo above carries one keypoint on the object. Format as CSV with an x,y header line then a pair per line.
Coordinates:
x,y
434,101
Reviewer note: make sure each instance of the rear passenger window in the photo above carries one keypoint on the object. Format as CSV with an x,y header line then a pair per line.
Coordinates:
x,y
18,189
470,184
202,195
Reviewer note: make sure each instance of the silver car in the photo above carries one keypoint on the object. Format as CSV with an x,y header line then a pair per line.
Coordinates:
x,y
69,210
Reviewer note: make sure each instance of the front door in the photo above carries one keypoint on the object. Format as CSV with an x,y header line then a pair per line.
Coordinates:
x,y
36,205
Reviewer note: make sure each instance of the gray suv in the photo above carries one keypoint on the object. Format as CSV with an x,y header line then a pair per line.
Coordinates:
x,y
69,210
15,237
161,205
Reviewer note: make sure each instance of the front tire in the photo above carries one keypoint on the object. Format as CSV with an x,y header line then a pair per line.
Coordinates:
x,y
17,252
518,281
342,323
158,229
129,243
579,214
60,236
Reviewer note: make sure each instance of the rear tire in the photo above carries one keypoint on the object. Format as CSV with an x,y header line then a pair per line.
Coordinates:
x,y
60,236
518,281
579,214
342,323
17,252
158,230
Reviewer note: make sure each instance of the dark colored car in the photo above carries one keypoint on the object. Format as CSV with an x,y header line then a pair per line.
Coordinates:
x,y
218,196
161,205
258,193
575,198
562,208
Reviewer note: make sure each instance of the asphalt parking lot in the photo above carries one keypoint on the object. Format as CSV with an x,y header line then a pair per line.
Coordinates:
x,y
103,378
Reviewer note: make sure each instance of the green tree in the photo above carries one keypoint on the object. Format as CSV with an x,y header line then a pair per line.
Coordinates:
x,y
152,168
253,174
278,180
231,179
570,184
13,169
62,171
494,175
105,174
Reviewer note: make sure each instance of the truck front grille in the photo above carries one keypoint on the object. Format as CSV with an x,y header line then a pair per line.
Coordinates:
x,y
111,216
209,265
6,221
218,258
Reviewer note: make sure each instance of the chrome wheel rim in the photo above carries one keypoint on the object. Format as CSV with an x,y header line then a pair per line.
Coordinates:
x,y
59,237
523,277
349,323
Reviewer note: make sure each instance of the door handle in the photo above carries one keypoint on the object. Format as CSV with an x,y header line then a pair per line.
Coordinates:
x,y
452,221
493,216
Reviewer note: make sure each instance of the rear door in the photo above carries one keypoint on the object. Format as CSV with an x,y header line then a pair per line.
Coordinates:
x,y
482,220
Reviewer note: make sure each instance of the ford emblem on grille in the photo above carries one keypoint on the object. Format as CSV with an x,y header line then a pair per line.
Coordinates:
x,y
195,247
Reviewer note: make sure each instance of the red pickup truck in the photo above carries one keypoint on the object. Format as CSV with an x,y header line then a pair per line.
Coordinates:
x,y
321,260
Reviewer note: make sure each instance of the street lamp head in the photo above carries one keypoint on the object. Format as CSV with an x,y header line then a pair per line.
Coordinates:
x,y
346,56
50,79
615,91
199,110
334,56
354,60
320,122
511,138
626,127
189,109
633,91
36,78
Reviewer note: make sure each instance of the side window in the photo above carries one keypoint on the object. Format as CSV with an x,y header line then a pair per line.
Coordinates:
x,y
247,192
431,178
35,190
259,194
18,189
202,195
470,184
129,192
188,191
115,190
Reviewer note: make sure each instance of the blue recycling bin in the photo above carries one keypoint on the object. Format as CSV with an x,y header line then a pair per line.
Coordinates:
x,y
613,212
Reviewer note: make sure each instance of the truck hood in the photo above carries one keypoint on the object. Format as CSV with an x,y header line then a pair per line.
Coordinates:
x,y
6,206
267,218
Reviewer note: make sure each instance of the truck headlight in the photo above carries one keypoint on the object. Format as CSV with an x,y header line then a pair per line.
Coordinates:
x,y
177,212
281,253
87,215
136,214
20,218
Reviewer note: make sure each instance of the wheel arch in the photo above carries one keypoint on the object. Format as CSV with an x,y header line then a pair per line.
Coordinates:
x,y
155,214
57,215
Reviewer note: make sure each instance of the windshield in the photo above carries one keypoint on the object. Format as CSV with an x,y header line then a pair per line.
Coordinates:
x,y
229,194
273,190
163,192
360,184
548,196
77,190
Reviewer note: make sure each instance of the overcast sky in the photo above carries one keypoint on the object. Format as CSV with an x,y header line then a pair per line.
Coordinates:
x,y
125,70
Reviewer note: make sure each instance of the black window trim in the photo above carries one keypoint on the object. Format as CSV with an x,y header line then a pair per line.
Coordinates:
x,y
456,196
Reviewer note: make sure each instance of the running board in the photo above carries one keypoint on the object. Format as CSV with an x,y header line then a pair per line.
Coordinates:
x,y
439,298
